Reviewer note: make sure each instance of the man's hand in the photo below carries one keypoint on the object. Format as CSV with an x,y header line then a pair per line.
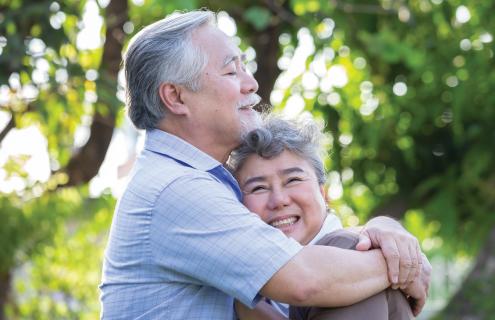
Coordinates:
x,y
417,291
400,249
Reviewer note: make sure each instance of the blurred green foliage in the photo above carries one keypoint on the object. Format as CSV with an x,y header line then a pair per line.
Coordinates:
x,y
429,144
60,281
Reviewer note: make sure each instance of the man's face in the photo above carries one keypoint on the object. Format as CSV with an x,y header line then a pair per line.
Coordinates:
x,y
223,107
285,193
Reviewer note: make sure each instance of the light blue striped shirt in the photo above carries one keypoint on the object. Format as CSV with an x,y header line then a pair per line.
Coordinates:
x,y
181,245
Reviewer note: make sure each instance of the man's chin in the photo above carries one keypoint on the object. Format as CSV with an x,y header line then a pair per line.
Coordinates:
x,y
250,122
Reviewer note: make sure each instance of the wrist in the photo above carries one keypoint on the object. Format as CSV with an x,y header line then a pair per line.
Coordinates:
x,y
382,222
383,267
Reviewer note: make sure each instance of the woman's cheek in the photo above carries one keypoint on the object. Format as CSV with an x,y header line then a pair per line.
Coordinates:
x,y
254,204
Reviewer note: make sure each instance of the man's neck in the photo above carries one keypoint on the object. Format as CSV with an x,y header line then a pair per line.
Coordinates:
x,y
198,140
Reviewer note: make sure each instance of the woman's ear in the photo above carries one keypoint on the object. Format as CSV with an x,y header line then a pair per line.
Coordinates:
x,y
170,95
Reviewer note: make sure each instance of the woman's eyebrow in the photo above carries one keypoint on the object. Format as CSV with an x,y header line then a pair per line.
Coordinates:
x,y
281,172
253,180
291,170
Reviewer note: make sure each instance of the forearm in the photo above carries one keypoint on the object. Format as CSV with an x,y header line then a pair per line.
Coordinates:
x,y
380,220
328,276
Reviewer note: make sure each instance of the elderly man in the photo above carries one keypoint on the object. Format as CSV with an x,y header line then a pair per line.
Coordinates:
x,y
181,245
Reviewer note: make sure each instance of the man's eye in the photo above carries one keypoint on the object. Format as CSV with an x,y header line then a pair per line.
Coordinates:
x,y
231,70
243,66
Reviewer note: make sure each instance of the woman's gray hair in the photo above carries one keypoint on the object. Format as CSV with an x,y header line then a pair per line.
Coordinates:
x,y
302,136
162,52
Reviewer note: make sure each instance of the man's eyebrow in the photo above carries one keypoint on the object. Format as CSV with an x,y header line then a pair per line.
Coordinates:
x,y
230,58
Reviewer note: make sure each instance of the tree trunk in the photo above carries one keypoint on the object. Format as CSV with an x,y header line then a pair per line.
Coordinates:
x,y
86,162
474,300
395,208
5,279
265,41
267,51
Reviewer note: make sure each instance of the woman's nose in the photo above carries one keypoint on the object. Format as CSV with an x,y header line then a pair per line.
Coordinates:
x,y
278,199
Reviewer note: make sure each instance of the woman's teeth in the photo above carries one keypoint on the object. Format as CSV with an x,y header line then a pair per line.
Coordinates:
x,y
283,222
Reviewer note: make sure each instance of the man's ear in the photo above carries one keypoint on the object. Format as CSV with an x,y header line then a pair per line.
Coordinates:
x,y
170,95
324,192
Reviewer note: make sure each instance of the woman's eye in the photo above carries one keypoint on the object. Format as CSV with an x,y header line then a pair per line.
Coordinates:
x,y
258,189
294,179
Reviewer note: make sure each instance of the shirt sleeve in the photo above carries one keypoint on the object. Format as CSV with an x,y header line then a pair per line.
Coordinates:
x,y
199,229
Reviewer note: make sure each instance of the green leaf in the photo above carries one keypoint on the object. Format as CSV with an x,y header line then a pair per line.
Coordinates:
x,y
257,16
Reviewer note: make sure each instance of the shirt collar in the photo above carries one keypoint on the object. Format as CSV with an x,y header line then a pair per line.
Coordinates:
x,y
174,147
330,224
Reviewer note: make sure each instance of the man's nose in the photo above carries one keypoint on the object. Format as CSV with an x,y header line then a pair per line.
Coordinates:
x,y
249,84
278,199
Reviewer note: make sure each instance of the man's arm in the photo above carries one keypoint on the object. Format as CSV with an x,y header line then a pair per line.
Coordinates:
x,y
328,277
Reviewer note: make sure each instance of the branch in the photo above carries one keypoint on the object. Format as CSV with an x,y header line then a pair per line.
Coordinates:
x,y
284,14
465,302
7,128
362,8
86,162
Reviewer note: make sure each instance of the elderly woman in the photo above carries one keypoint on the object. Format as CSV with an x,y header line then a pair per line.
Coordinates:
x,y
281,175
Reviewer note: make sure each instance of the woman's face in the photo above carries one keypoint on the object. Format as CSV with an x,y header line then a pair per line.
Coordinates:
x,y
285,193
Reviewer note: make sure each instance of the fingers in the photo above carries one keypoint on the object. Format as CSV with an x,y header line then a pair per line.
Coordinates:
x,y
410,260
400,249
417,301
406,264
364,242
409,264
417,305
425,274
419,256
417,290
392,257
402,259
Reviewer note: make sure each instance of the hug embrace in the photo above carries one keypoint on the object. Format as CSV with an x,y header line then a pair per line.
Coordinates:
x,y
189,241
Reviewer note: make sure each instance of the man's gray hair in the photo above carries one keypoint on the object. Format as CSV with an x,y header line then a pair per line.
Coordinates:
x,y
162,52
302,136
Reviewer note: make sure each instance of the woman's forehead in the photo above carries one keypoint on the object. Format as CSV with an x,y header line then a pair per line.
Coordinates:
x,y
285,163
